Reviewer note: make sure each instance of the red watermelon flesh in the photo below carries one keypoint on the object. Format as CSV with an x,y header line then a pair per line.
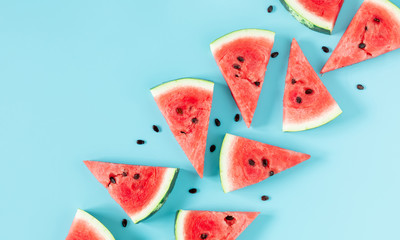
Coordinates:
x,y
244,162
139,190
325,9
194,225
86,227
186,106
374,30
242,57
306,103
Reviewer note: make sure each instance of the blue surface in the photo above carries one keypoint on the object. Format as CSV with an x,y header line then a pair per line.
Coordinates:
x,y
74,81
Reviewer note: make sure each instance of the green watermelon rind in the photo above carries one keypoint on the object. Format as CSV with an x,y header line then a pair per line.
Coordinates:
x,y
166,188
179,224
316,24
96,224
242,33
178,83
224,161
325,118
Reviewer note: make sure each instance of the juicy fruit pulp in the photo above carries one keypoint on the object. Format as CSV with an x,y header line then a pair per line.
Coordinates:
x,y
306,103
186,106
194,225
318,15
374,30
242,57
244,162
139,190
87,227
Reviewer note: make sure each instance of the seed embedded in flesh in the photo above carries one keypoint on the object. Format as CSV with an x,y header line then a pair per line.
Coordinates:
x,y
229,218
362,45
195,120
271,173
270,9
366,28
257,84
251,162
193,190
236,75
203,235
124,222
240,59
140,142
264,198
155,128
360,87
237,117
124,174
236,66
377,20
325,49
112,180
183,132
274,54
309,91
293,81
136,176
212,148
179,111
265,162
217,122
299,100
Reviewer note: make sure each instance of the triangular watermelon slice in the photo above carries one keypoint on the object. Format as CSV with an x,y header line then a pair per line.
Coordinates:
x,y
197,225
186,106
374,30
242,57
244,162
87,227
306,103
318,15
139,190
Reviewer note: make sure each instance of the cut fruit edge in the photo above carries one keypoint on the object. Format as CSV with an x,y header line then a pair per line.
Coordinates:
x,y
86,217
183,82
226,147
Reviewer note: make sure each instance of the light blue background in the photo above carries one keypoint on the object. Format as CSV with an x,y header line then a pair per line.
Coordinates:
x,y
74,81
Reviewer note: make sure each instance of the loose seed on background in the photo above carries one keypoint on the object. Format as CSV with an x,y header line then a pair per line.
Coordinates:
x,y
325,49
124,222
140,142
212,148
270,9
217,122
264,198
193,190
155,128
274,54
237,117
360,87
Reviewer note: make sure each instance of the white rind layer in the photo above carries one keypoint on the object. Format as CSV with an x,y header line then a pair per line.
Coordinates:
x,y
184,82
96,224
224,160
393,9
217,44
328,116
301,12
158,199
179,225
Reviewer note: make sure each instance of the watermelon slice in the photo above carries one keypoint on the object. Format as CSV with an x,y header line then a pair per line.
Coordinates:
x,y
374,30
244,162
306,103
186,106
194,225
242,57
139,190
87,227
318,15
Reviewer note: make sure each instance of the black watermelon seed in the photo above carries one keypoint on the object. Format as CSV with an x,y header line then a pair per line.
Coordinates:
x,y
195,120
251,162
270,9
112,180
366,28
236,66
217,122
299,100
309,91
236,75
212,148
271,173
183,132
124,222
274,54
179,111
136,176
293,81
237,117
325,49
257,84
193,190
264,198
155,128
265,162
140,142
377,20
360,87
229,218
124,174
362,45
203,235
240,59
